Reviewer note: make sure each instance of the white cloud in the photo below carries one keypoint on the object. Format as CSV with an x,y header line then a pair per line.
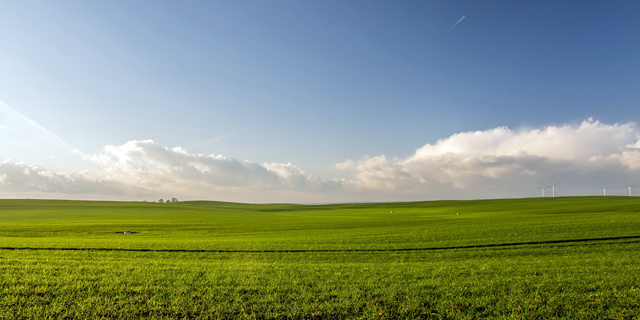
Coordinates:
x,y
144,169
590,138
148,163
502,162
19,178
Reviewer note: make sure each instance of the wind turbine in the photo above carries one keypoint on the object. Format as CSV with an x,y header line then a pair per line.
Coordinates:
x,y
604,190
543,189
554,188
630,188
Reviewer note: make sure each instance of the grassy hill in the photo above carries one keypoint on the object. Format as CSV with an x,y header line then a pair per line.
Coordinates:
x,y
525,258
212,225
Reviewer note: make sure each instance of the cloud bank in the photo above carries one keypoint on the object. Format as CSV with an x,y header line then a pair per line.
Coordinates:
x,y
146,169
502,162
18,178
493,163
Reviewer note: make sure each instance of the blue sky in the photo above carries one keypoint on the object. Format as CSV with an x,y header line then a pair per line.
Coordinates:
x,y
311,84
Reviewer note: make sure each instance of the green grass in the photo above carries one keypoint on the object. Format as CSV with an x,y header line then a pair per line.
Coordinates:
x,y
568,257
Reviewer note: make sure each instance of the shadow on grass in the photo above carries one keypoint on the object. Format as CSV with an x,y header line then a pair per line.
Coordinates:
x,y
500,245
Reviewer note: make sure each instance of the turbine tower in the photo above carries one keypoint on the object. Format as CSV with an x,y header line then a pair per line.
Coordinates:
x,y
604,190
554,188
543,189
630,188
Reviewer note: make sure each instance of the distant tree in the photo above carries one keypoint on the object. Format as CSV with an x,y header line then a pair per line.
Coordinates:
x,y
161,201
174,199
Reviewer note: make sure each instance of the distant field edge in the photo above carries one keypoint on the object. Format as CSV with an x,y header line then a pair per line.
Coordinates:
x,y
234,203
512,244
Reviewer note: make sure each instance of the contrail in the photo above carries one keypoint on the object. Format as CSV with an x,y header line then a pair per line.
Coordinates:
x,y
8,114
457,22
224,136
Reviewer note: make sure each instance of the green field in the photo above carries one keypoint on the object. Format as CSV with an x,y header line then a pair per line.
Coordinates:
x,y
542,258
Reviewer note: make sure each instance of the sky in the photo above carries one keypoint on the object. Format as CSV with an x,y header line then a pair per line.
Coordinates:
x,y
318,101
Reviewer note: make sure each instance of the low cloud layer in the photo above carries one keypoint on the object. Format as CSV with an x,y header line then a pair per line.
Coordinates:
x,y
145,169
502,162
494,163
147,163
17,179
